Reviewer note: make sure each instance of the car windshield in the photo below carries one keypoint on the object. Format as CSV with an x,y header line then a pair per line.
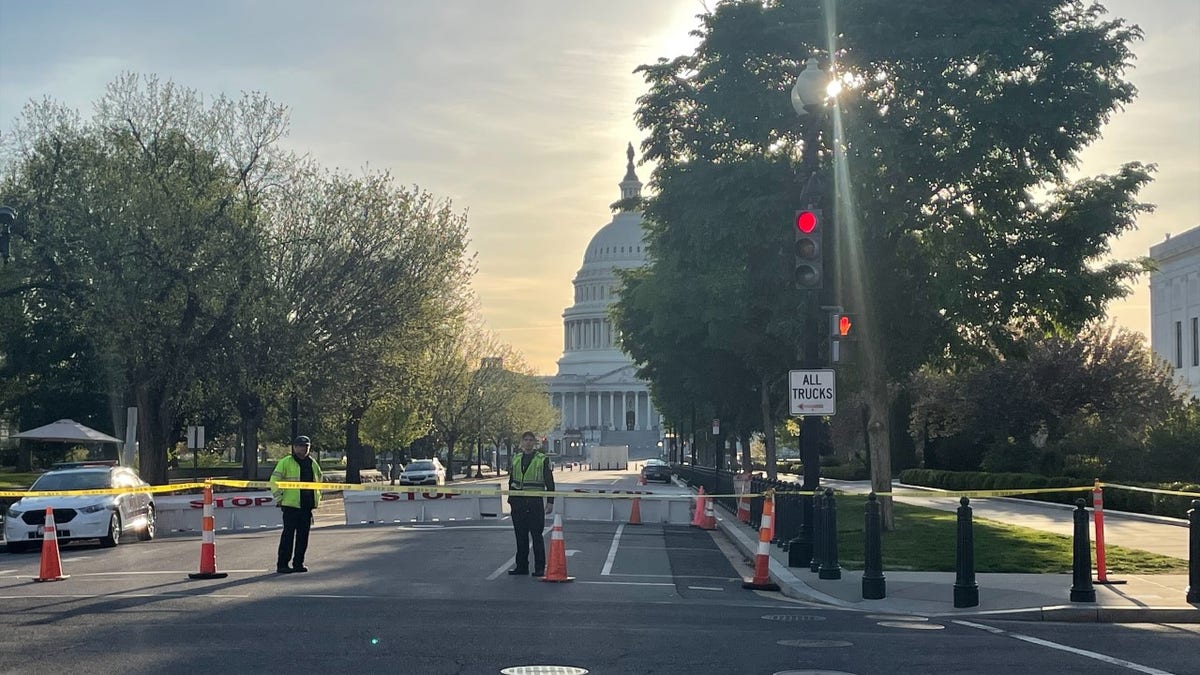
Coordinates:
x,y
420,466
72,480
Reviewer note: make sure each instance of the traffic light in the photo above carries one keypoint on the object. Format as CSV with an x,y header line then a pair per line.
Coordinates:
x,y
809,252
842,331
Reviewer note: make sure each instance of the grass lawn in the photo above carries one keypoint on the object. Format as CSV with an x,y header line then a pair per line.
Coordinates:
x,y
924,540
11,480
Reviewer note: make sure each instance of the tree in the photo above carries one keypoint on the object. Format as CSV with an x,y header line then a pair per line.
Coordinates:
x,y
958,229
1084,396
136,220
365,268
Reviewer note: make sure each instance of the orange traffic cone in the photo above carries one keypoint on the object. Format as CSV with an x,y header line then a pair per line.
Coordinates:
x,y
698,516
51,569
635,512
208,542
762,561
743,512
556,565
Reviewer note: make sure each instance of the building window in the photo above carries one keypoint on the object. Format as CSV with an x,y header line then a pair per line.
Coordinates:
x,y
1195,342
1178,344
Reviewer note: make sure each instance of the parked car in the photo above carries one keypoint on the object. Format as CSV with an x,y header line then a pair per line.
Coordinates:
x,y
102,517
423,472
656,469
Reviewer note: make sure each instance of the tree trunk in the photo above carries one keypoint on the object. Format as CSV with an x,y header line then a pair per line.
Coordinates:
x,y
354,452
747,466
250,408
879,442
768,425
449,459
155,428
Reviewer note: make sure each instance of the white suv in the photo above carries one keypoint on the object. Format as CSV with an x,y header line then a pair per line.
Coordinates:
x,y
103,517
424,472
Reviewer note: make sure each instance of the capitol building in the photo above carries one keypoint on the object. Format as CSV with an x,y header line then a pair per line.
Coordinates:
x,y
598,396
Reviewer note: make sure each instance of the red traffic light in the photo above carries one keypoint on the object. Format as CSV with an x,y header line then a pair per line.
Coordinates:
x,y
806,221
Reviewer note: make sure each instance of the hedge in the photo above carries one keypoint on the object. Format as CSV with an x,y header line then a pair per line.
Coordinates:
x,y
1174,506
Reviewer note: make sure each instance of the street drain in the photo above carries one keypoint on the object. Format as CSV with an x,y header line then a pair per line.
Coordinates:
x,y
897,617
544,670
793,617
813,672
815,643
914,625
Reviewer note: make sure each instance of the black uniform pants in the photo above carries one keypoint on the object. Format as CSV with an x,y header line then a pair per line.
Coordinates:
x,y
529,519
296,523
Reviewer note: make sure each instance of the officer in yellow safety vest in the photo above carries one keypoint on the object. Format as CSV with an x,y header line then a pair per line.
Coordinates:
x,y
531,471
297,505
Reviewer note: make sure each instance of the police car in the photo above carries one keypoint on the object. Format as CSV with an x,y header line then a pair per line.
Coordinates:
x,y
101,517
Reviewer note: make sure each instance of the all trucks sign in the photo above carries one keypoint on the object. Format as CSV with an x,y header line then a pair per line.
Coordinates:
x,y
812,392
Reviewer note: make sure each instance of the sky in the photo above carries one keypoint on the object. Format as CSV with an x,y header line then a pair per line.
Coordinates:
x,y
519,112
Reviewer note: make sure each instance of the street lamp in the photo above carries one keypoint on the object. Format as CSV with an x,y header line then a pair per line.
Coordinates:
x,y
812,88
8,218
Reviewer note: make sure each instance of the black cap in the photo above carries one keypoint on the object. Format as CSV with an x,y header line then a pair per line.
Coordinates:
x,y
301,440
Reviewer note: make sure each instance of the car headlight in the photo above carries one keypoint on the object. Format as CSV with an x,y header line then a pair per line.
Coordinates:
x,y
13,512
95,508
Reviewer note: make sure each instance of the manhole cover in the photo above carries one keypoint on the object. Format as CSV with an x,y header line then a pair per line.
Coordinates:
x,y
793,617
813,672
915,625
896,617
815,643
544,670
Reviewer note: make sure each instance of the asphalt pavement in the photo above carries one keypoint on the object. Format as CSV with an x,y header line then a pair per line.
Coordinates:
x,y
1141,598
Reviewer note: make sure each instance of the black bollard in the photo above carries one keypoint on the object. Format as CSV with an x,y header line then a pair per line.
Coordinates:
x,y
830,567
1082,589
874,584
818,555
800,549
966,591
1193,588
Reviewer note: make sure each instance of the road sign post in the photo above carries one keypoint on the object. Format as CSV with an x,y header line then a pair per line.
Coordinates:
x,y
812,393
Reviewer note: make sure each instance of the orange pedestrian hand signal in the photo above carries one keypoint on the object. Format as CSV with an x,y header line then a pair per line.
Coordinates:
x,y
844,325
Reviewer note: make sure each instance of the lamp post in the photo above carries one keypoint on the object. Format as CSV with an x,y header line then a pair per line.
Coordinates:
x,y
8,218
809,95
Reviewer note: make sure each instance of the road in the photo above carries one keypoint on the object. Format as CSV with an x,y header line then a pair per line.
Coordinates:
x,y
434,599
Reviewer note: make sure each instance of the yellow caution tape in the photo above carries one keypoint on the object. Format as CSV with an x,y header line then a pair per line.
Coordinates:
x,y
152,489
1151,490
580,493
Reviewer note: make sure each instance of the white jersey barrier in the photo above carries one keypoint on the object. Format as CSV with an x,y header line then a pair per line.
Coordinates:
x,y
231,511
654,508
370,506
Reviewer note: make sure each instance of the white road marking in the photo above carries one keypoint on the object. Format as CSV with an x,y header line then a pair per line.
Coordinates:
x,y
705,588
141,573
124,595
626,583
612,551
1073,650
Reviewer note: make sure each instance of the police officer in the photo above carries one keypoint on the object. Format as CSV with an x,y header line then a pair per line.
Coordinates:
x,y
530,472
297,505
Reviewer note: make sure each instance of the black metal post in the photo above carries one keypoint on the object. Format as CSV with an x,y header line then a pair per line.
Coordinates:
x,y
1082,589
818,527
966,591
830,567
1193,588
874,584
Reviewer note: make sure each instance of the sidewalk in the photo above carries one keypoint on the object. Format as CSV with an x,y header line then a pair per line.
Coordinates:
x,y
1156,598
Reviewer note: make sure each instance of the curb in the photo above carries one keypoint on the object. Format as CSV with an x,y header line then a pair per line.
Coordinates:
x,y
1076,614
793,587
